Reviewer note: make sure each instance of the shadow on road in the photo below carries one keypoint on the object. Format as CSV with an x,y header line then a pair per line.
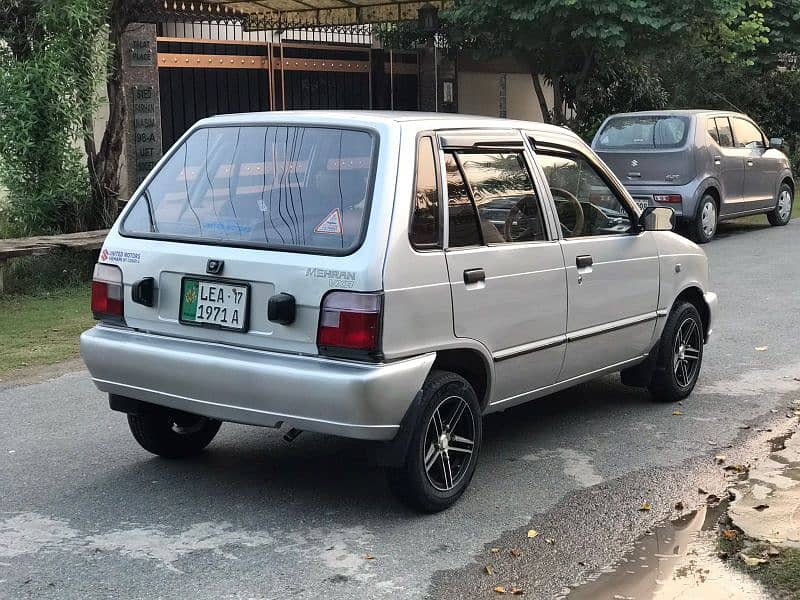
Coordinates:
x,y
248,469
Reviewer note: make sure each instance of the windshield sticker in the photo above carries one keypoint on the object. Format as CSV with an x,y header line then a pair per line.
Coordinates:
x,y
120,256
331,224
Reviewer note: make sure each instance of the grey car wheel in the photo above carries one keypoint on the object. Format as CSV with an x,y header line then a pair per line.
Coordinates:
x,y
704,226
782,213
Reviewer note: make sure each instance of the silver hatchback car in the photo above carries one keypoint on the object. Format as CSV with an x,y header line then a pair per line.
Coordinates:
x,y
388,277
709,166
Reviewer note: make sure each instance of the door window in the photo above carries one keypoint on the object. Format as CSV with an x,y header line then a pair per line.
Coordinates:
x,y
585,203
747,135
425,221
712,130
725,134
497,197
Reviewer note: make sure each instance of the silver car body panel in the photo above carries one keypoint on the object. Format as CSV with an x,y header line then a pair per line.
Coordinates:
x,y
533,326
254,386
747,180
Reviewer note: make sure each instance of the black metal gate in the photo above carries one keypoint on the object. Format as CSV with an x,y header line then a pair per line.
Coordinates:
x,y
202,78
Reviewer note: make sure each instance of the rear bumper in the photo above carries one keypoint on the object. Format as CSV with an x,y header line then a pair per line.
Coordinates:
x,y
255,387
687,193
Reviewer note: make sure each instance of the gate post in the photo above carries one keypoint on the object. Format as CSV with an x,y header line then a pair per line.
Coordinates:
x,y
143,137
438,88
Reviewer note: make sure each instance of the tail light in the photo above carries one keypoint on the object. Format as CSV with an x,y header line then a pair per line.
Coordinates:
x,y
668,198
350,325
107,303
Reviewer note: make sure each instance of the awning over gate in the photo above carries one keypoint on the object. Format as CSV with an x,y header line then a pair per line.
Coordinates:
x,y
260,14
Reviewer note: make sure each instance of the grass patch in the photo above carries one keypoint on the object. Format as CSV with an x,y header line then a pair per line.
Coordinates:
x,y
42,329
780,575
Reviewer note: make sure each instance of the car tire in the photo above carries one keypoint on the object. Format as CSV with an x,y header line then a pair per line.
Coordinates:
x,y
444,446
704,226
173,434
782,213
680,355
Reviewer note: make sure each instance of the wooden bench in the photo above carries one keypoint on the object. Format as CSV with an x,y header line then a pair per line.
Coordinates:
x,y
44,244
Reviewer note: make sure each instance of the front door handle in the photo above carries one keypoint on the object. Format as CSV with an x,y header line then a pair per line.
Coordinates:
x,y
584,262
750,162
473,276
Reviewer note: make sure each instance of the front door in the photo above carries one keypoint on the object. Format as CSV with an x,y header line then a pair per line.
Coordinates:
x,y
506,270
760,172
612,272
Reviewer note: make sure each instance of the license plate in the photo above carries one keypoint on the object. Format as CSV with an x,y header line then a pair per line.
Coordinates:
x,y
214,304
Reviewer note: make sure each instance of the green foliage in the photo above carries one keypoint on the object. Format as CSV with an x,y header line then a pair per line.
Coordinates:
x,y
49,66
568,41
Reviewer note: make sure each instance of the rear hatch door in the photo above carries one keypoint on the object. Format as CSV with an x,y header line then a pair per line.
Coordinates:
x,y
237,216
648,149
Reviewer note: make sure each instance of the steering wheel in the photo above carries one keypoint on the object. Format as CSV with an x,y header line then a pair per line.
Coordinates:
x,y
518,208
580,219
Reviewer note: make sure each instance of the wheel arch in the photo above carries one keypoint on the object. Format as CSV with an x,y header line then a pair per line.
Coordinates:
x,y
694,296
470,364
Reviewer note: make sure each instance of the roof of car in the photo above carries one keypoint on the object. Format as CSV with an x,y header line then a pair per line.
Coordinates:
x,y
684,112
416,120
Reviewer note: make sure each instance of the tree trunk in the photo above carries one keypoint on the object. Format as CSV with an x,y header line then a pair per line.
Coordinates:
x,y
104,166
583,76
558,100
537,86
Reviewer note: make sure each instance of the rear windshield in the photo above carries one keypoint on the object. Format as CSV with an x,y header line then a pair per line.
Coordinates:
x,y
297,188
644,132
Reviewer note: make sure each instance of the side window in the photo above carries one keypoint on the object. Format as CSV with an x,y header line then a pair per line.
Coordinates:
x,y
747,135
712,130
725,134
508,207
425,221
585,203
462,218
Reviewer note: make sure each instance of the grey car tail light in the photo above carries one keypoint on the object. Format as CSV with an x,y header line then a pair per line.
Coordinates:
x,y
350,325
107,293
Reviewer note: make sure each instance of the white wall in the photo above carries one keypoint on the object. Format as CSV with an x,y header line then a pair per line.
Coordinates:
x,y
479,93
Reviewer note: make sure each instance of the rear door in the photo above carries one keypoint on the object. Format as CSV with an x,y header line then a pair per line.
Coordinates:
x,y
612,271
728,160
238,215
505,266
760,172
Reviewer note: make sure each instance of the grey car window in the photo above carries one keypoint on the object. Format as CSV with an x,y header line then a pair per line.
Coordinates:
x,y
276,187
585,203
637,132
747,135
724,130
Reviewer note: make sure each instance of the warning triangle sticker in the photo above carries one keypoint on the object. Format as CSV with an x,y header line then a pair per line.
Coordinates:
x,y
331,224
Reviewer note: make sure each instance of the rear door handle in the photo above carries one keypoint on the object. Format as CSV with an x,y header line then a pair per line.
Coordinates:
x,y
750,162
717,160
584,262
473,276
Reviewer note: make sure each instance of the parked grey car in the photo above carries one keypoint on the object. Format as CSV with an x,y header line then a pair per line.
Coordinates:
x,y
709,166
388,277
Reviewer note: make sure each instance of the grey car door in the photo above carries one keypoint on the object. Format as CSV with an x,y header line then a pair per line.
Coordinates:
x,y
729,164
506,270
612,270
761,171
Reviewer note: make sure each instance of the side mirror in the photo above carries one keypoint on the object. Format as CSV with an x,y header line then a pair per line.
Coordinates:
x,y
657,218
776,143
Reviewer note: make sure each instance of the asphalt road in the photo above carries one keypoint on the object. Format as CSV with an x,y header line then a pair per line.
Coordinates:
x,y
85,513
